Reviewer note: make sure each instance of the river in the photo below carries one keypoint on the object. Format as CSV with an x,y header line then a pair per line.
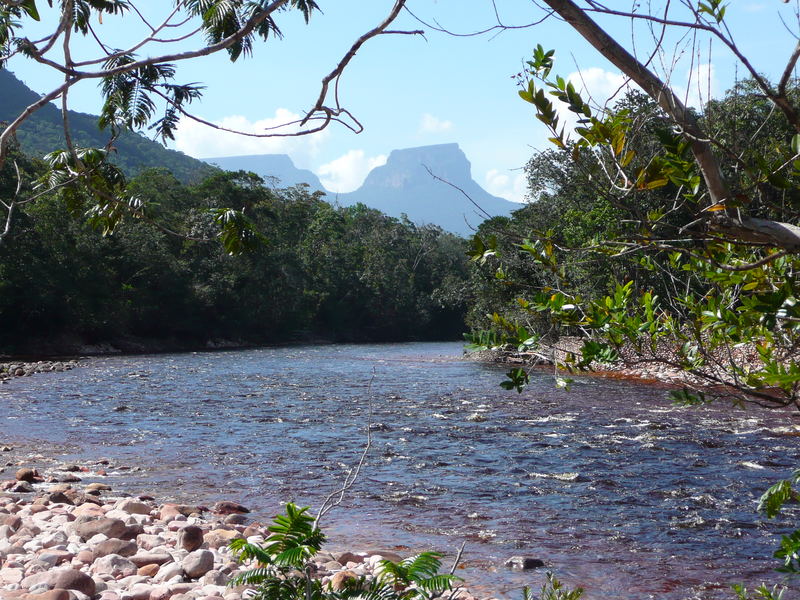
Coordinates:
x,y
614,488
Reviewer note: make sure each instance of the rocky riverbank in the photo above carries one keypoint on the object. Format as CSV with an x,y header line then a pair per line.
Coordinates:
x,y
61,539
9,370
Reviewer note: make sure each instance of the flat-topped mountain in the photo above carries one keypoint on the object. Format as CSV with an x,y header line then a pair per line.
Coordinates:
x,y
406,185
279,166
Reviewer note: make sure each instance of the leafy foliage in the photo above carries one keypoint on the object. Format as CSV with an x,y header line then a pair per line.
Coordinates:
x,y
553,589
282,569
308,270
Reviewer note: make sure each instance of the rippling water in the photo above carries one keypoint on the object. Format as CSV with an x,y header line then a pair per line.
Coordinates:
x,y
613,487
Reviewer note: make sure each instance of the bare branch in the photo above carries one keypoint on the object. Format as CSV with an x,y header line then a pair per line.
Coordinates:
x,y
336,497
319,106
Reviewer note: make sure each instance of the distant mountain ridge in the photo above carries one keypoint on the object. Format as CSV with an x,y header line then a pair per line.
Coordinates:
x,y
43,132
402,186
405,185
279,166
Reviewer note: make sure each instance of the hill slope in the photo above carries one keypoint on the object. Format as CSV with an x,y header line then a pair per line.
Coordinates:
x,y
42,133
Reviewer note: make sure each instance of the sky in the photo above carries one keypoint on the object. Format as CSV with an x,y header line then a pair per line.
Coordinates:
x,y
412,90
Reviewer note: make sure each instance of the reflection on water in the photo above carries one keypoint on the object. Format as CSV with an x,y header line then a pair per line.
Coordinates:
x,y
614,488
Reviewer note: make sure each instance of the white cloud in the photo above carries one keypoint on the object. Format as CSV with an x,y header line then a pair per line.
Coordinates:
x,y
431,124
196,139
509,185
701,85
598,85
347,173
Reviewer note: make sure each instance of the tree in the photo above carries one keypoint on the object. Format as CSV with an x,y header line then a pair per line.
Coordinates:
x,y
705,200
140,89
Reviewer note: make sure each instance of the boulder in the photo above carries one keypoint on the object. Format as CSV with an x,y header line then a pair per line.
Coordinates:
x,y
236,519
56,594
56,557
56,538
21,487
215,577
26,474
346,557
115,565
148,541
169,571
148,570
71,579
116,546
133,507
198,563
111,528
96,488
58,498
226,507
141,559
169,511
342,580
524,562
88,509
216,538
10,575
14,522
190,538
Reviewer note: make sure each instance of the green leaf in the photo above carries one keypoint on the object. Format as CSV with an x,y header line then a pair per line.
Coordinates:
x,y
29,6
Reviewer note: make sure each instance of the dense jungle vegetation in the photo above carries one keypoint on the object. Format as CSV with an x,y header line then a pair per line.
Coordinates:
x,y
319,271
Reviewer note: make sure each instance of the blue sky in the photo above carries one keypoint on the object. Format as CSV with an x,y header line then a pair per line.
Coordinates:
x,y
411,91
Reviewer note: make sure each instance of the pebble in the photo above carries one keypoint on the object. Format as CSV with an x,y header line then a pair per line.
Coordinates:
x,y
83,547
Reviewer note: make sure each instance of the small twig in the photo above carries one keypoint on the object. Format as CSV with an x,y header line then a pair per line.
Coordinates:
x,y
458,558
454,186
331,501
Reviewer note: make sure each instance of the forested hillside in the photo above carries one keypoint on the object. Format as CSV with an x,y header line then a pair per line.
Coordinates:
x,y
43,132
319,272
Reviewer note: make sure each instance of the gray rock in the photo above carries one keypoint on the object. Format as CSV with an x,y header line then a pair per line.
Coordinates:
x,y
134,507
141,559
215,577
168,572
198,563
190,538
116,546
524,562
111,528
26,474
71,579
149,541
115,565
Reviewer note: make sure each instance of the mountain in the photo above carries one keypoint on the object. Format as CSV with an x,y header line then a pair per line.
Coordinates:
x,y
404,185
42,132
279,166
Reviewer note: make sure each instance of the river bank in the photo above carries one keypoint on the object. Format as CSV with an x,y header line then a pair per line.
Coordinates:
x,y
12,369
67,535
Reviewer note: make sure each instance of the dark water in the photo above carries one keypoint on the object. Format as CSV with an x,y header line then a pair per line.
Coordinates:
x,y
613,487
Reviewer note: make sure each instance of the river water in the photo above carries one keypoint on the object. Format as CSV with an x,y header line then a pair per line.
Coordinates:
x,y
614,488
